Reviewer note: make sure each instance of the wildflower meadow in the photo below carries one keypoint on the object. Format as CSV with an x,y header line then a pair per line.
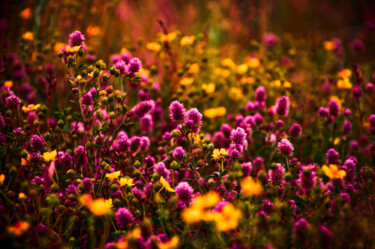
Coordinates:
x,y
187,124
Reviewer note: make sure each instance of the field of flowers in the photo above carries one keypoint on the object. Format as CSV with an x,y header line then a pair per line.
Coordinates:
x,y
118,131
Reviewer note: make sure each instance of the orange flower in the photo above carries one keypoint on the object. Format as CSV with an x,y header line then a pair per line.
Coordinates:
x,y
251,187
333,172
19,228
25,14
228,218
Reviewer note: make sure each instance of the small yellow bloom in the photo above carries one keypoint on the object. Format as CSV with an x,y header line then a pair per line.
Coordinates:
x,y
328,45
206,201
247,80
242,69
19,228
253,62
85,199
344,83
276,83
345,73
58,46
219,155
25,14
187,40
49,156
169,37
287,84
209,88
228,62
25,161
186,81
215,112
153,46
2,179
228,218
192,215
251,187
100,206
166,185
22,196
30,107
333,172
74,49
8,83
194,68
235,93
28,36
126,181
336,141
225,73
173,243
113,176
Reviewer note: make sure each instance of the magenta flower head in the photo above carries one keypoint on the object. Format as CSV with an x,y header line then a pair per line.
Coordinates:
x,y
134,65
300,232
371,122
13,102
333,108
246,168
76,39
36,142
276,176
325,237
184,192
226,130
124,217
285,147
260,94
178,153
147,123
143,108
122,67
238,137
332,156
346,128
87,99
323,112
126,57
162,170
194,120
307,179
295,130
357,92
282,106
177,112
269,39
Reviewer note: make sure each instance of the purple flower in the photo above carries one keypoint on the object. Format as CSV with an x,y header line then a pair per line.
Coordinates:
x,y
162,170
238,137
87,184
285,147
295,130
76,39
323,112
36,157
307,178
126,57
371,121
135,143
13,102
178,153
258,118
122,67
177,112
279,124
36,142
71,189
147,123
332,156
134,65
260,94
325,237
300,232
346,128
333,108
282,106
246,168
226,130
267,206
124,217
184,192
276,176
143,108
194,120
87,99
357,92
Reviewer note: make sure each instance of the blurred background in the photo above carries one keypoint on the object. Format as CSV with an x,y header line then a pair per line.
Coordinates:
x,y
113,25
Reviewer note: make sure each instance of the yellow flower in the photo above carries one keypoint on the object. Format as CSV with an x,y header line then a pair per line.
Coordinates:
x,y
166,185
251,187
153,46
228,62
85,199
25,161
333,172
247,80
235,93
58,46
228,218
49,156
187,40
328,45
113,176
287,84
194,68
19,228
28,36
22,196
126,181
206,201
253,62
2,179
209,88
25,14
336,141
8,83
169,37
276,83
100,206
93,30
173,243
186,81
30,107
219,155
74,49
344,83
242,69
122,244
215,112
345,73
192,215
